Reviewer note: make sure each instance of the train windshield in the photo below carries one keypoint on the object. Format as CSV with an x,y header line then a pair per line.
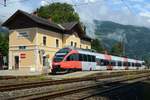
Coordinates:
x,y
59,56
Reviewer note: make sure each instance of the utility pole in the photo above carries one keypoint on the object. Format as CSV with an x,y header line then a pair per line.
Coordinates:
x,y
4,3
123,44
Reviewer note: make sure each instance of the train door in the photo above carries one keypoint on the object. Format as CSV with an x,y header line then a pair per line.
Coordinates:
x,y
84,60
108,59
88,62
46,63
125,63
98,64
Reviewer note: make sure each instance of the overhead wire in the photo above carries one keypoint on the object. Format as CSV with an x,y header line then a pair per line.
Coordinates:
x,y
3,4
129,8
14,1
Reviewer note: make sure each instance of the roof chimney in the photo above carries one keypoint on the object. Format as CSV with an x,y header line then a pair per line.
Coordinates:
x,y
106,52
50,18
35,13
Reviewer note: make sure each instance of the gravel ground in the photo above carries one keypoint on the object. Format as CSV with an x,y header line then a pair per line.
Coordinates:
x,y
59,77
23,80
139,91
53,88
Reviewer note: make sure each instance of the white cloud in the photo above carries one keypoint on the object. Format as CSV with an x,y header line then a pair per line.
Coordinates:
x,y
137,0
86,1
44,2
101,11
145,14
12,8
147,6
116,2
96,9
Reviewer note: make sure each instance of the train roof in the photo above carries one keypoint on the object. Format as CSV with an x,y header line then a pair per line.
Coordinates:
x,y
101,55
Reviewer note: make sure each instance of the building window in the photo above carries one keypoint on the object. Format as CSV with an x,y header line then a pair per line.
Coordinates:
x,y
71,43
75,44
44,40
57,43
23,34
44,60
22,47
86,47
80,46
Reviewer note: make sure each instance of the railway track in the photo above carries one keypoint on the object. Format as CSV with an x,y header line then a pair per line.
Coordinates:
x,y
76,92
12,87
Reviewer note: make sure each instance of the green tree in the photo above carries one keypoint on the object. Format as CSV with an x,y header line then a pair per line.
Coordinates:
x,y
4,44
58,12
117,49
146,58
96,45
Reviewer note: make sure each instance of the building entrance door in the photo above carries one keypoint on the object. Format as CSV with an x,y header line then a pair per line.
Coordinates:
x,y
16,62
45,64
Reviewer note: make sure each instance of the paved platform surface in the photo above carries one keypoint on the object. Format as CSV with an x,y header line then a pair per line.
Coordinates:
x,y
62,76
83,74
17,73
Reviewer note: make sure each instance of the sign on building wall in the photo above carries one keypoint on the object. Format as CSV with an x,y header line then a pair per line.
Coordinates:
x,y
22,55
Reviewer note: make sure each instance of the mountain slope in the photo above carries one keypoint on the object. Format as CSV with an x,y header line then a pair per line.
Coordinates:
x,y
135,38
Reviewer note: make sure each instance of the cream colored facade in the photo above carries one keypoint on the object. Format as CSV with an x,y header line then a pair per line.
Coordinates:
x,y
30,53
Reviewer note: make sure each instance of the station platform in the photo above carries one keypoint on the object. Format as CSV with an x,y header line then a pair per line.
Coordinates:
x,y
80,74
61,76
18,73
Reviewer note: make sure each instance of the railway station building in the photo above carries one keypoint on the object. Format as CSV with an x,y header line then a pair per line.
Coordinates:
x,y
33,41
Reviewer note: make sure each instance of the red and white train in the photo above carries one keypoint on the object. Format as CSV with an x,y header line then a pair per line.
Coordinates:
x,y
67,59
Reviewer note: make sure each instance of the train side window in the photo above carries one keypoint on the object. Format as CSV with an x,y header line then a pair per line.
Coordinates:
x,y
119,63
93,59
143,63
125,63
106,62
133,64
85,58
136,64
72,57
69,58
80,57
129,64
89,58
98,61
76,57
102,62
113,63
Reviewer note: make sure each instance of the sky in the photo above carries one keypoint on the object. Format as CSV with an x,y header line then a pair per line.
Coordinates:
x,y
132,12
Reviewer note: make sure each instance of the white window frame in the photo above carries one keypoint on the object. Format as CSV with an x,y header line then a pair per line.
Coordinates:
x,y
22,48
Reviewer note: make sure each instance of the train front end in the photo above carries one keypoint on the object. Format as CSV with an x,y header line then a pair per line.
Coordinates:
x,y
58,59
